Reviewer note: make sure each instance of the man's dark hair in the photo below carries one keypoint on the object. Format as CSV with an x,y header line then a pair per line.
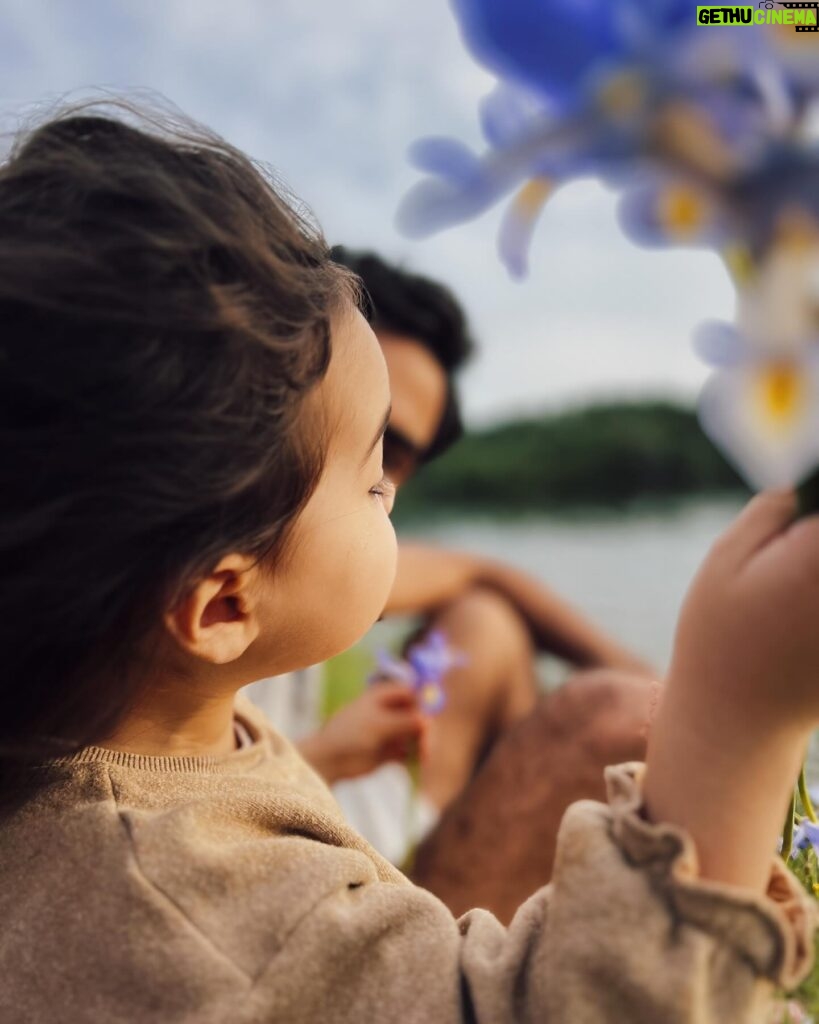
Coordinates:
x,y
421,308
414,305
166,312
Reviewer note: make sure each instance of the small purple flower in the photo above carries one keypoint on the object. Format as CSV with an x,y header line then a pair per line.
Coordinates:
x,y
392,668
433,658
424,669
806,835
432,698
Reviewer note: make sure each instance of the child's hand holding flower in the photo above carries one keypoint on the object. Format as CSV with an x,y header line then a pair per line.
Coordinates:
x,y
742,695
426,665
384,724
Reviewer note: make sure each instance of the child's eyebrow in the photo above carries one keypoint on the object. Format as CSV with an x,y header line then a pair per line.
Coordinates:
x,y
379,435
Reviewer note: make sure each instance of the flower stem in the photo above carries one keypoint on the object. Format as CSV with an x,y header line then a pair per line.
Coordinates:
x,y
804,796
787,831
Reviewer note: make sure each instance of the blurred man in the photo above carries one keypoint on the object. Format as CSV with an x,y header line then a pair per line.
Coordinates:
x,y
499,751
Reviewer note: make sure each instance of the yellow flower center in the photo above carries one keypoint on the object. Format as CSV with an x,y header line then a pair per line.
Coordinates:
x,y
532,196
622,95
429,695
781,393
682,210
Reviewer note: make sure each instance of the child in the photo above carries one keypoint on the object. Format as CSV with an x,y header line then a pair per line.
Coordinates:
x,y
191,410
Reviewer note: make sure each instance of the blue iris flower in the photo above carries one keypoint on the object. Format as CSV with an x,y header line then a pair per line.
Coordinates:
x,y
584,87
541,45
550,46
662,209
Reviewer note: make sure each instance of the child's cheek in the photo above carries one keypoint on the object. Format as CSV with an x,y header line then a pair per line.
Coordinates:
x,y
373,565
351,565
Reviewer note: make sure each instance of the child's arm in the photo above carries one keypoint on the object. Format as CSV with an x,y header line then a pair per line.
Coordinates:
x,y
626,934
743,693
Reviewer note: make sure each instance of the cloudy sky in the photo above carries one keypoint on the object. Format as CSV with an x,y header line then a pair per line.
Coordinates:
x,y
331,94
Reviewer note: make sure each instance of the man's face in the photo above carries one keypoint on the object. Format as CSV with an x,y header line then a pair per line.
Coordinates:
x,y
419,387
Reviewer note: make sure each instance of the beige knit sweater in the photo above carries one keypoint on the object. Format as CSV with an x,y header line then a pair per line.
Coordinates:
x,y
230,890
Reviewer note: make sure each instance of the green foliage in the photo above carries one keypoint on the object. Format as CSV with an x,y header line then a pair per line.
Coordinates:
x,y
344,678
805,867
607,455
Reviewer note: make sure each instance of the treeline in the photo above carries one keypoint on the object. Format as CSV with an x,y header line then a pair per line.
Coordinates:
x,y
608,455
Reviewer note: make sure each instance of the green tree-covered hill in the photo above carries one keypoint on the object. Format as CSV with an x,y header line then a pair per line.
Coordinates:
x,y
599,456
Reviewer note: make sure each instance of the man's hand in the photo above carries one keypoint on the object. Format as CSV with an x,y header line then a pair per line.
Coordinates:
x,y
384,724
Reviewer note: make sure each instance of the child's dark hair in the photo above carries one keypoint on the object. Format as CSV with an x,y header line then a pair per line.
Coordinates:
x,y
421,308
165,313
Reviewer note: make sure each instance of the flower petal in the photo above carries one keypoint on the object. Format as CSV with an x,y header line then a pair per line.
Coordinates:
x,y
805,835
546,45
719,343
392,668
506,115
436,203
779,306
433,205
764,416
518,225
668,212
449,158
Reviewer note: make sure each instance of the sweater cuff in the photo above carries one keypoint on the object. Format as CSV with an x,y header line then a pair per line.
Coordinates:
x,y
773,932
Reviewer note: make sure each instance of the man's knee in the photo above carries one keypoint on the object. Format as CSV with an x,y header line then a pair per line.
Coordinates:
x,y
607,712
485,617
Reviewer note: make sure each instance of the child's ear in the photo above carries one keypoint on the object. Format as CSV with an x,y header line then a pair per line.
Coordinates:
x,y
217,620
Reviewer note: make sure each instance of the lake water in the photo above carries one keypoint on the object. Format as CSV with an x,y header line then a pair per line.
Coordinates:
x,y
628,574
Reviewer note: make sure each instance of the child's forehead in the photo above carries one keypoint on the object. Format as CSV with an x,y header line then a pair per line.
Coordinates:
x,y
356,386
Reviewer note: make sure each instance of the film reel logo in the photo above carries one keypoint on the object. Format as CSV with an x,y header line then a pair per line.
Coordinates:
x,y
800,7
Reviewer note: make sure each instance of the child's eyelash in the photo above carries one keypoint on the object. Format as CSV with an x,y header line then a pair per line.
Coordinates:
x,y
383,487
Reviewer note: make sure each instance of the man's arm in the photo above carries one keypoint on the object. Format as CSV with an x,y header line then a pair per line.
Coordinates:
x,y
429,577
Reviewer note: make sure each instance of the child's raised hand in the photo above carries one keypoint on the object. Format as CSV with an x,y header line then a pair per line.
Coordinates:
x,y
383,724
750,623
743,692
